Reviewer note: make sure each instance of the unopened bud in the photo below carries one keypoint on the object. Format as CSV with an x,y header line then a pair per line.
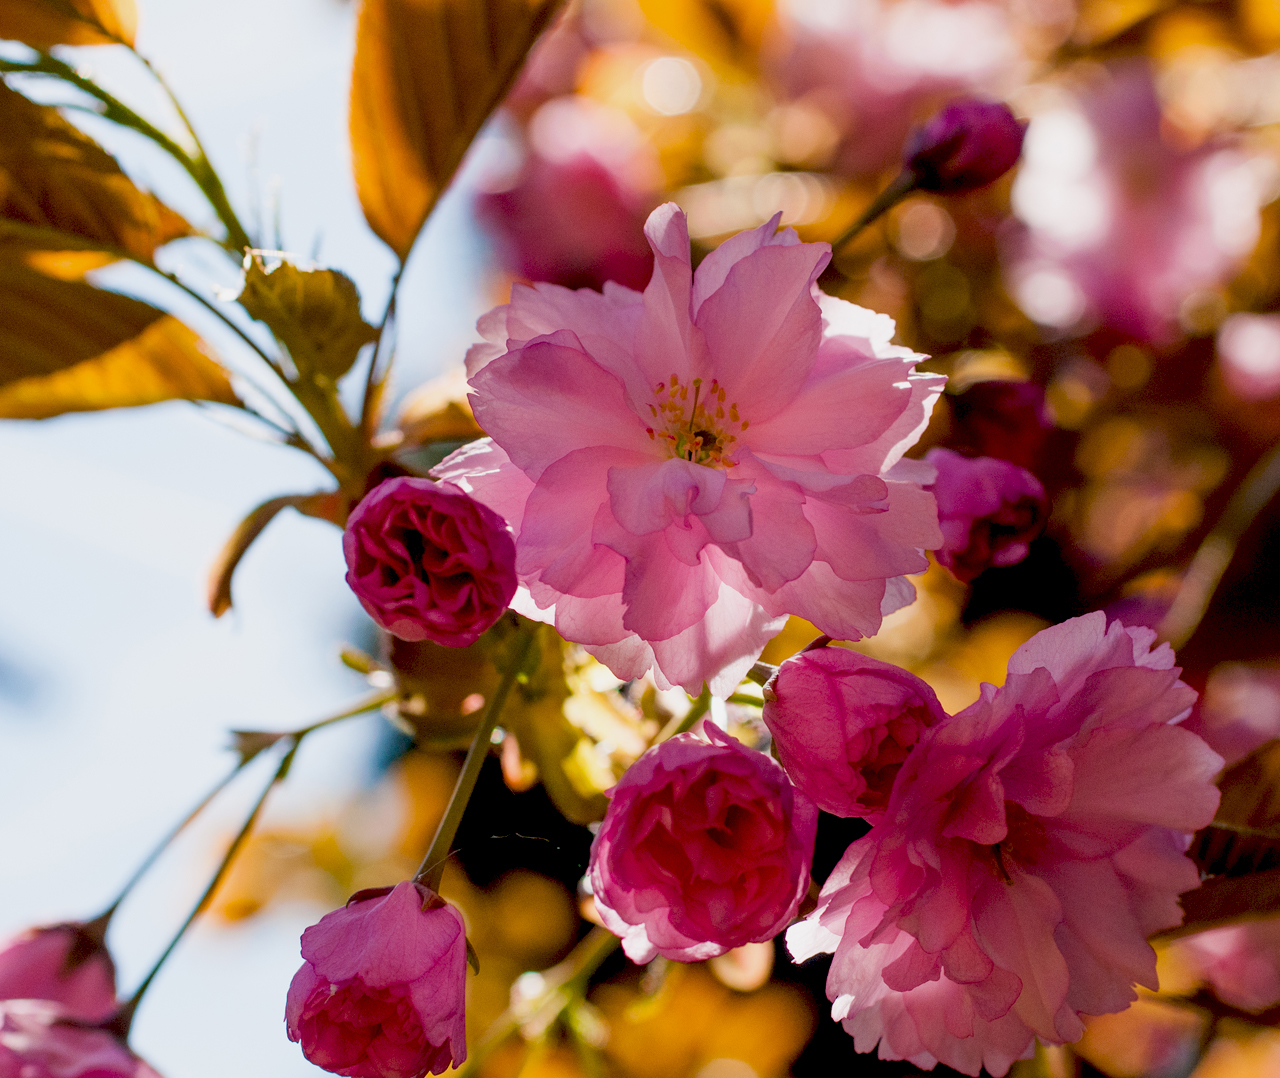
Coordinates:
x,y
967,145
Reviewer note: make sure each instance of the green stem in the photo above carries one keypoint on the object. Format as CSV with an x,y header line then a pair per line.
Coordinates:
x,y
697,709
121,1022
431,870
901,186
115,110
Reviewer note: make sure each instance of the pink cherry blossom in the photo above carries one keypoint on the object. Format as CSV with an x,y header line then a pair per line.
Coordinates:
x,y
429,562
706,846
1031,845
66,964
989,511
843,723
380,992
684,467
1239,710
39,1040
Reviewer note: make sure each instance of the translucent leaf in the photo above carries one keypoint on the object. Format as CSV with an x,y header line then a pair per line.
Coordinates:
x,y
314,313
166,361
323,505
427,74
53,176
42,23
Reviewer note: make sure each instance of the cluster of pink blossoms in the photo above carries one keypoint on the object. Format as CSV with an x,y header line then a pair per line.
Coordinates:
x,y
1029,846
667,475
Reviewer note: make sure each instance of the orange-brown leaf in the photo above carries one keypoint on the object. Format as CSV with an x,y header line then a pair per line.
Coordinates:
x,y
165,361
427,74
42,23
53,176
320,504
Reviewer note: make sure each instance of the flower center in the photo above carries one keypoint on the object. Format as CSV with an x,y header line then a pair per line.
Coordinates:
x,y
702,429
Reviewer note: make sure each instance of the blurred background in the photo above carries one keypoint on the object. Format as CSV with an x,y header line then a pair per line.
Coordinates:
x,y
1109,316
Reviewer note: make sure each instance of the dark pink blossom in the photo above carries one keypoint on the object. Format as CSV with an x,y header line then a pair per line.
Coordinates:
x,y
967,145
39,1039
381,990
66,964
843,724
428,561
1031,845
706,846
989,511
684,467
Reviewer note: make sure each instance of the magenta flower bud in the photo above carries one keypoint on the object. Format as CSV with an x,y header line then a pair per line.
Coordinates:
x,y
1007,420
429,562
706,846
381,990
843,724
38,1041
66,964
989,511
967,145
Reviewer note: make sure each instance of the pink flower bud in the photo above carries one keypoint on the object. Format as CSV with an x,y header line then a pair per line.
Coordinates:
x,y
989,511
706,846
38,1041
66,964
842,725
380,993
429,562
967,145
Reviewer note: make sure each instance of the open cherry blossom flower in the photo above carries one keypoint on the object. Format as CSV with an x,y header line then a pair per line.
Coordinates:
x,y
1031,845
684,467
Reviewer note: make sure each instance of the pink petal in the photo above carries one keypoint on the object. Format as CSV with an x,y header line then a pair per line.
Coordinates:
x,y
555,544
665,332
851,408
550,398
716,266
762,327
483,469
